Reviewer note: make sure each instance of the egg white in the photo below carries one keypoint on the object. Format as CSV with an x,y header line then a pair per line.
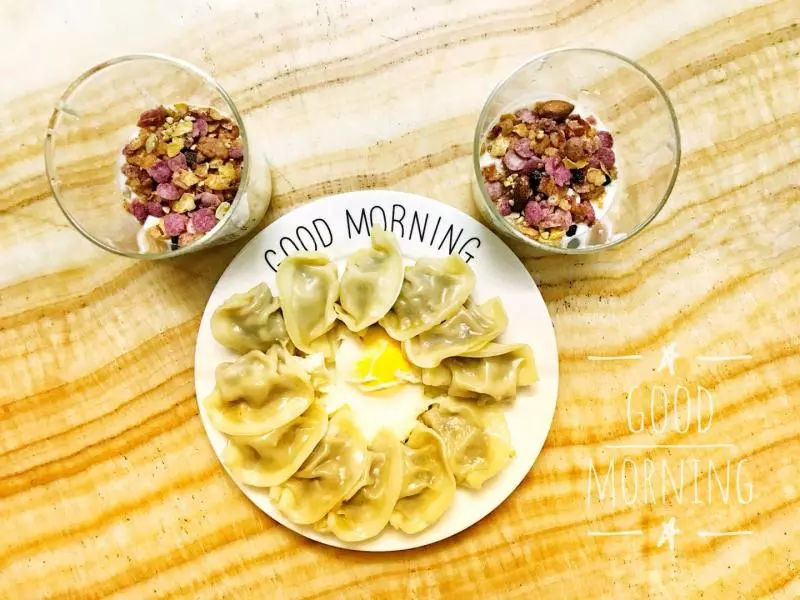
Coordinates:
x,y
395,407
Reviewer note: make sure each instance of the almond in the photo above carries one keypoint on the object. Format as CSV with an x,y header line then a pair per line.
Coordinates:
x,y
558,110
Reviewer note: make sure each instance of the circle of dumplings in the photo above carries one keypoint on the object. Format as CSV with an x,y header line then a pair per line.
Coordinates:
x,y
320,469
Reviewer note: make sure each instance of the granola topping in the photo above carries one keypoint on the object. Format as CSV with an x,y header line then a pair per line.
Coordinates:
x,y
548,170
182,170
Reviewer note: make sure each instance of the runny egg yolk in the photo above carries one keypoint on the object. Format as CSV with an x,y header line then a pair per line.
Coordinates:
x,y
381,360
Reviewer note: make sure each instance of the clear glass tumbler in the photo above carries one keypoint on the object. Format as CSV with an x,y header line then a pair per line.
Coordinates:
x,y
96,117
629,103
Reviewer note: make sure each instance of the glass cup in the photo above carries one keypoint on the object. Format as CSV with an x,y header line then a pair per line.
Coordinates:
x,y
96,117
628,102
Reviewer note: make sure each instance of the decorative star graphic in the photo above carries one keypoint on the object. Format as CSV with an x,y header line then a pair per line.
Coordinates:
x,y
668,356
668,533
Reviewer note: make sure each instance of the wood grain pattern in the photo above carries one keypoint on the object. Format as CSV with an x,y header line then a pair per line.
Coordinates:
x,y
108,486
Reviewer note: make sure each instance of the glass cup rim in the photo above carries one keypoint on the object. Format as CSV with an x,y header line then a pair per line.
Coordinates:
x,y
478,140
49,147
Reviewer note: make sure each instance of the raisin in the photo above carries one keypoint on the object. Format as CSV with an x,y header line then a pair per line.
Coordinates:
x,y
534,179
577,175
191,158
573,229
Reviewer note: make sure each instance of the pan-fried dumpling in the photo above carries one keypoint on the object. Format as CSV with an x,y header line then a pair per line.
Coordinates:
x,y
250,321
308,285
428,484
476,439
471,328
366,514
495,371
371,282
271,458
258,393
328,476
433,290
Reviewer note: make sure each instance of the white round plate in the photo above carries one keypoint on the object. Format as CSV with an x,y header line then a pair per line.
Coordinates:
x,y
337,226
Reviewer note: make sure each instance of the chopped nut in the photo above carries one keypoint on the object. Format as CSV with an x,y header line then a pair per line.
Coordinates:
x,y
548,186
557,139
135,144
595,176
184,179
228,170
179,129
522,192
575,164
157,233
185,204
181,108
558,110
143,159
222,210
151,142
218,182
212,147
201,170
509,181
491,173
499,146
185,239
169,119
540,145
545,235
229,133
174,147
521,130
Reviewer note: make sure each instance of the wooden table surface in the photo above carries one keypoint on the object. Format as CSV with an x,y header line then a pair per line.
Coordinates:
x,y
108,485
